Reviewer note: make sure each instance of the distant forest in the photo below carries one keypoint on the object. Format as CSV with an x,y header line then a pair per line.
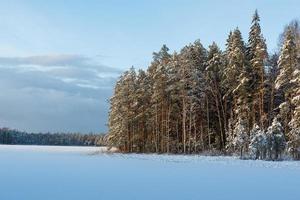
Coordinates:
x,y
243,100
8,136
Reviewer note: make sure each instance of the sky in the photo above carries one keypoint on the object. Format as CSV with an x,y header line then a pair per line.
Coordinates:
x,y
59,60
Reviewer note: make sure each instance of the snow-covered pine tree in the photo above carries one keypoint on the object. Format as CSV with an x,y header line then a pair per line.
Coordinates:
x,y
121,116
143,95
174,110
272,99
197,95
214,76
236,82
185,74
235,56
256,56
241,110
241,137
294,134
130,102
193,59
117,127
159,76
254,36
258,143
275,140
294,27
230,137
287,65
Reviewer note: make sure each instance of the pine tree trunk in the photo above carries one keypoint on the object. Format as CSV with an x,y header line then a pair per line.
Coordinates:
x,y
202,139
190,128
262,113
162,132
129,138
177,135
208,131
168,128
271,110
223,108
241,153
156,130
220,124
183,124
195,135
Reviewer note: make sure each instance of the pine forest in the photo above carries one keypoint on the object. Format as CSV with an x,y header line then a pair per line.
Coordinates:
x,y
242,100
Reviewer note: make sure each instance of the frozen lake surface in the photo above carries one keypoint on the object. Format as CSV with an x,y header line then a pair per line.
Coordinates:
x,y
73,173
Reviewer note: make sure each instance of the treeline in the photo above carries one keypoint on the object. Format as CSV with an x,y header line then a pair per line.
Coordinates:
x,y
8,136
242,100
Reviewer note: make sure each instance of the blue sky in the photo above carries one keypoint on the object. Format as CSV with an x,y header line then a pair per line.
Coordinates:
x,y
59,59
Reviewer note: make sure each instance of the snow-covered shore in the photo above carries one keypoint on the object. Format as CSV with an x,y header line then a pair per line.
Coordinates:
x,y
54,172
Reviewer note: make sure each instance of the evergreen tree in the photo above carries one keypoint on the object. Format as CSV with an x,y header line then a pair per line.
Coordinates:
x,y
230,137
258,143
214,76
294,134
256,56
193,59
273,100
275,140
235,55
294,27
174,109
287,64
159,77
241,136
237,78
143,96
117,126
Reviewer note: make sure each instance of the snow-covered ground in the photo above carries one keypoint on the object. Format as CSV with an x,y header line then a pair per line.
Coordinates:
x,y
71,173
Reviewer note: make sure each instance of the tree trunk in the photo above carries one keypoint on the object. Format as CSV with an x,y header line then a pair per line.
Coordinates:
x,y
208,131
156,130
183,124
220,124
195,135
190,127
168,128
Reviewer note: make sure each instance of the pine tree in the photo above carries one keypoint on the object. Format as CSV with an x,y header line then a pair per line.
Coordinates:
x,y
294,27
143,96
254,36
130,102
117,117
235,55
258,143
193,59
242,110
230,137
294,134
174,110
275,140
272,98
241,136
256,56
159,76
287,64
237,82
214,76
